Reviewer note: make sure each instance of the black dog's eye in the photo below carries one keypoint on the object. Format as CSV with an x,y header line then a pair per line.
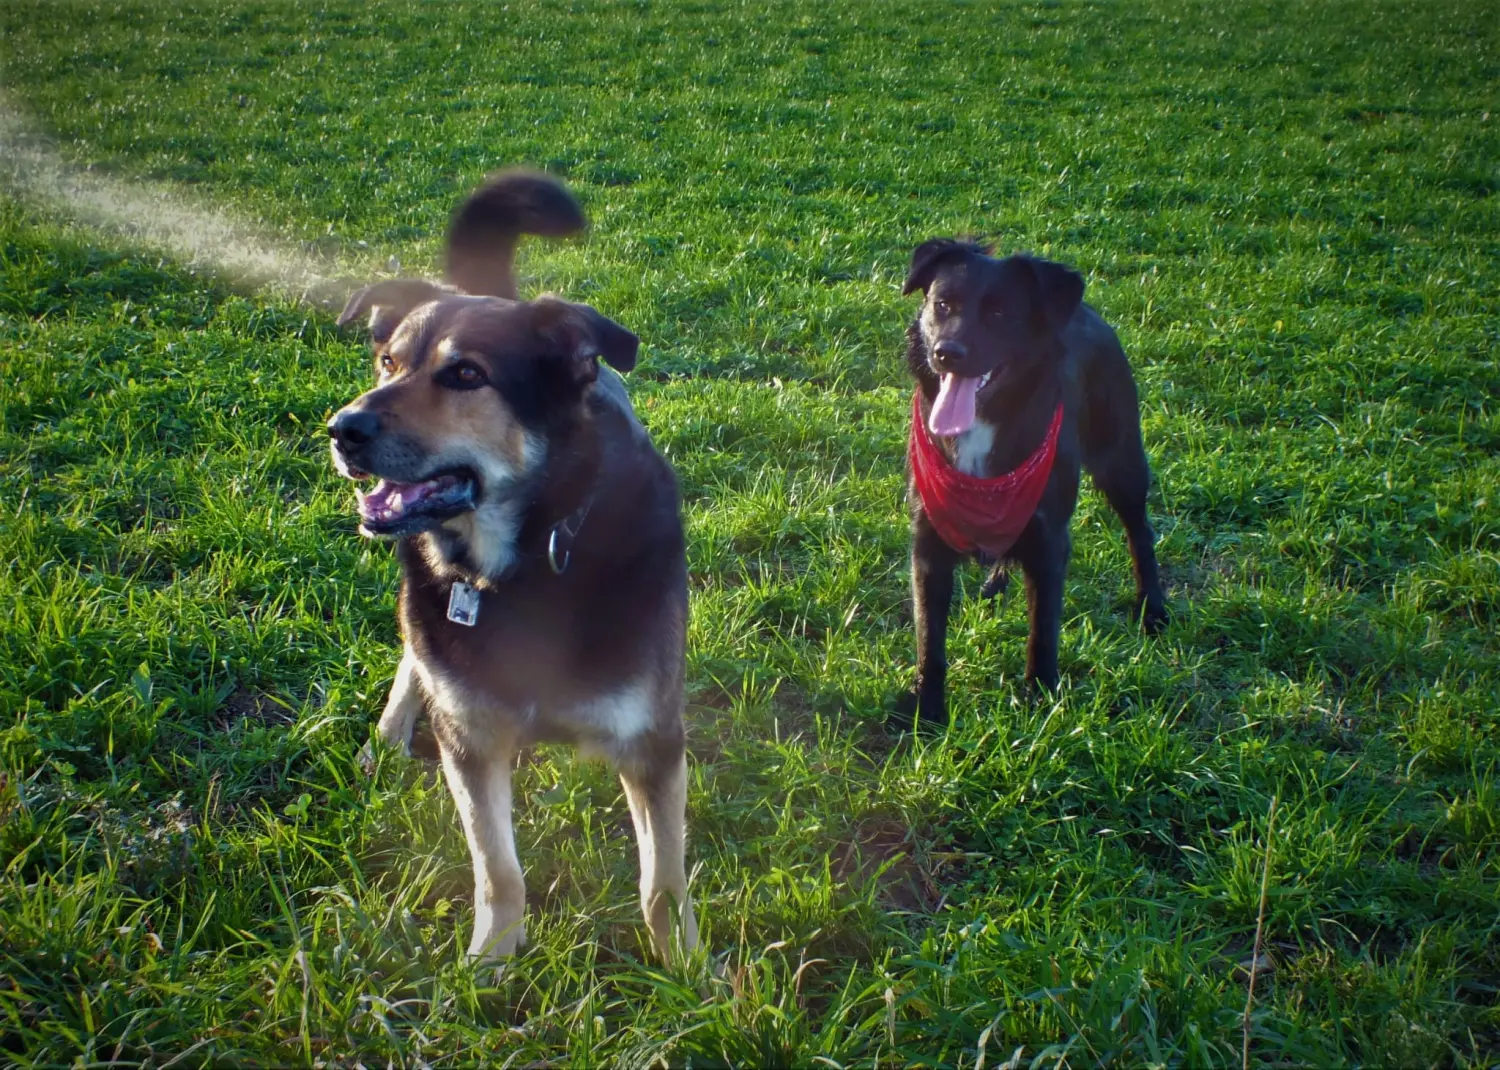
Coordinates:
x,y
462,376
995,312
942,308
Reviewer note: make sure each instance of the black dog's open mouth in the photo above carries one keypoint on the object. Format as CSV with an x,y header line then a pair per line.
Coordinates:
x,y
393,508
954,408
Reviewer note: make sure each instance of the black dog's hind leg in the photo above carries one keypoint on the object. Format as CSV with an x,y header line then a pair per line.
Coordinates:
x,y
1124,482
932,565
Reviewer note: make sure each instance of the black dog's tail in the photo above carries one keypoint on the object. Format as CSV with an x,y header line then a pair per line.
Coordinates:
x,y
485,229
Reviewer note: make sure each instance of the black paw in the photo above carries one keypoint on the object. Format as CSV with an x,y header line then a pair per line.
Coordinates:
x,y
1041,684
911,714
1154,616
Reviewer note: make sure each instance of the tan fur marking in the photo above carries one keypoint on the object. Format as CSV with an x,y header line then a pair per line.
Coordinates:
x,y
482,795
659,813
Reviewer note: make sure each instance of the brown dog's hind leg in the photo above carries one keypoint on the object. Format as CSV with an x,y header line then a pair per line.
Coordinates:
x,y
402,708
656,790
481,789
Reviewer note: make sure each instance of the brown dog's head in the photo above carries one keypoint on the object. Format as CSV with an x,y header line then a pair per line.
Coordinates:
x,y
983,321
474,389
471,392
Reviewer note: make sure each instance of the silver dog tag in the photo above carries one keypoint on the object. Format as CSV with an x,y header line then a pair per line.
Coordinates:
x,y
463,604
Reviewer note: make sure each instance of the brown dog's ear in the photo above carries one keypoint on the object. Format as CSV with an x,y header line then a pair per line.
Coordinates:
x,y
926,257
388,303
1059,290
585,336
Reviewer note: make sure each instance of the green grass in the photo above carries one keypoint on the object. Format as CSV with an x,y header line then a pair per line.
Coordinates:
x,y
1290,212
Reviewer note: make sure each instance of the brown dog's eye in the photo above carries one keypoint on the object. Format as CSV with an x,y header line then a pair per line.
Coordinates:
x,y
387,363
463,376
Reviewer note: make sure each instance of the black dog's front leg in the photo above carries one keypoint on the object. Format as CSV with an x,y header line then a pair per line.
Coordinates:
x,y
932,565
1045,571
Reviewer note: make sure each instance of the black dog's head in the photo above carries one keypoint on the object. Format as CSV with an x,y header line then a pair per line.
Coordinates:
x,y
984,320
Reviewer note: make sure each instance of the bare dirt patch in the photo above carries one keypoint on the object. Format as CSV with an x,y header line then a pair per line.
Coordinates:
x,y
254,706
882,849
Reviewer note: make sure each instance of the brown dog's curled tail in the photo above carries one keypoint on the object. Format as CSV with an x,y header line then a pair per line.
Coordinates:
x,y
482,237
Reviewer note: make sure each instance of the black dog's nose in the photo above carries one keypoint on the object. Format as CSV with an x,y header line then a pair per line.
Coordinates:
x,y
949,353
353,428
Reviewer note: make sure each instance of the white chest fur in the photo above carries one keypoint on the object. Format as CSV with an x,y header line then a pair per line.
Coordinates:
x,y
972,448
612,719
605,722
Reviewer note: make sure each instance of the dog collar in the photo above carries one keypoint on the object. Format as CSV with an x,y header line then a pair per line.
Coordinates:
x,y
973,514
560,541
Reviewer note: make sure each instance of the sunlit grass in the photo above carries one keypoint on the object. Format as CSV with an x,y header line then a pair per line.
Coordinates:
x,y
1290,213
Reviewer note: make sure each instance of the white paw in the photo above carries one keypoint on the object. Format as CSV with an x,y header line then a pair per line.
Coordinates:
x,y
396,725
493,944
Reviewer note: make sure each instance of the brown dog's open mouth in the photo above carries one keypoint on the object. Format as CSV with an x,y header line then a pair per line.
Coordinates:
x,y
393,508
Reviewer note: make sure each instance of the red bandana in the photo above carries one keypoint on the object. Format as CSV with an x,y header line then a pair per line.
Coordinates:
x,y
972,513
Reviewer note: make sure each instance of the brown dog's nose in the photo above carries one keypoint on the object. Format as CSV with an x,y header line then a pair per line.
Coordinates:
x,y
948,353
352,429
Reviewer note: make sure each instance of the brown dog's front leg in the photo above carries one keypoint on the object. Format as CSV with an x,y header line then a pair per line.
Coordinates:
x,y
404,704
932,565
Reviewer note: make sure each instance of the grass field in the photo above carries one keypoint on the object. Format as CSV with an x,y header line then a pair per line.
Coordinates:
x,y
1290,212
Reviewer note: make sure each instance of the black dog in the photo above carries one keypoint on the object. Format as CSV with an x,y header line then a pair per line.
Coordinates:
x,y
1019,384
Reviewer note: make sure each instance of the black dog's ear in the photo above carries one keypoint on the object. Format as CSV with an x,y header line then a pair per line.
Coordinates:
x,y
585,336
1059,290
927,256
925,259
388,303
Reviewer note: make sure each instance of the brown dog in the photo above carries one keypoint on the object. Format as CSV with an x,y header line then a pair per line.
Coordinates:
x,y
544,586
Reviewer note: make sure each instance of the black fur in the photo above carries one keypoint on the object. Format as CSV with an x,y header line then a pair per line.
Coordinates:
x,y
546,641
1022,320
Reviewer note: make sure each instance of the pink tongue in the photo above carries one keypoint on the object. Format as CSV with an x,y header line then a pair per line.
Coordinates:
x,y
953,410
378,503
